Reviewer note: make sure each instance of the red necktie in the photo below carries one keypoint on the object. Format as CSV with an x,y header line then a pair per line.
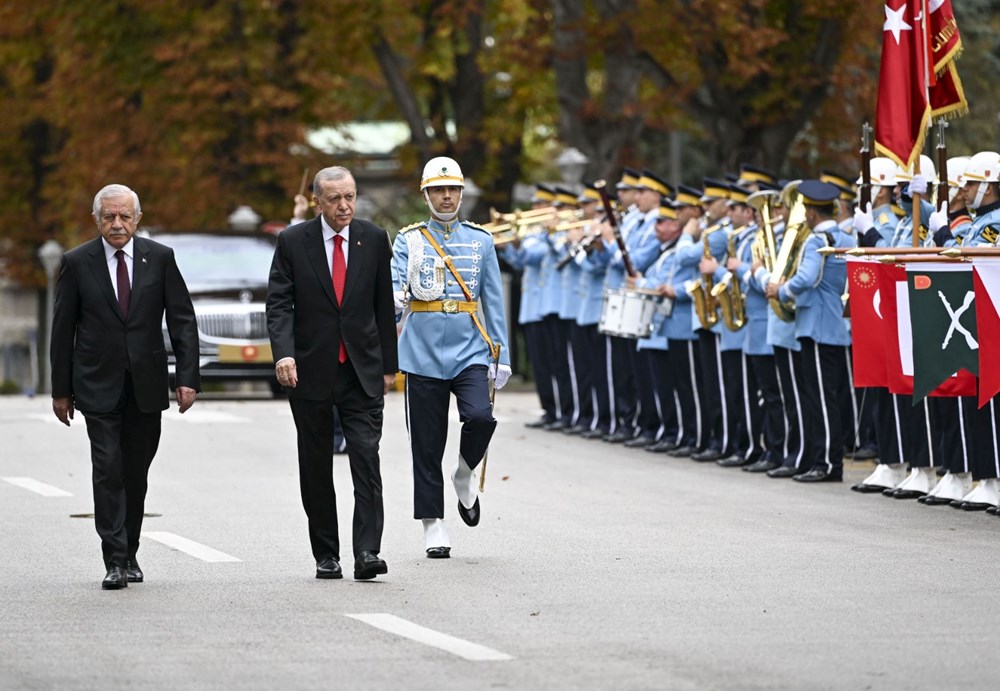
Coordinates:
x,y
339,278
124,287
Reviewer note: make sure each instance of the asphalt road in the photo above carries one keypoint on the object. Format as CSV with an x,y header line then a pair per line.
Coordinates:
x,y
595,567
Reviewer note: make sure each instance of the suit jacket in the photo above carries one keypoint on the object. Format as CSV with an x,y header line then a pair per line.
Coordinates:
x,y
305,322
93,346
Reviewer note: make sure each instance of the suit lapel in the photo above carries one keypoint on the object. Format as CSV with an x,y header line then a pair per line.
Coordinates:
x,y
140,267
99,267
354,259
316,252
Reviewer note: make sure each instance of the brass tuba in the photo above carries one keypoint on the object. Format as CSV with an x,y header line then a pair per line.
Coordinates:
x,y
728,291
787,261
700,289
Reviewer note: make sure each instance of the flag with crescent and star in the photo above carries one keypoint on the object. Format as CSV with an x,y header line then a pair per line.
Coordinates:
x,y
903,109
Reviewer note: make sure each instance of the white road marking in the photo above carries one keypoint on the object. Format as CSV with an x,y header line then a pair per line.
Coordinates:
x,y
435,639
203,417
195,549
37,487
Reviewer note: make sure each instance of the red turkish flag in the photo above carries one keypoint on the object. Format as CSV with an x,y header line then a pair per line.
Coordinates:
x,y
986,283
947,95
867,331
902,111
945,41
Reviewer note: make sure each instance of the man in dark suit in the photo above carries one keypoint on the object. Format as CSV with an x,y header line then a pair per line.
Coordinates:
x,y
331,319
109,361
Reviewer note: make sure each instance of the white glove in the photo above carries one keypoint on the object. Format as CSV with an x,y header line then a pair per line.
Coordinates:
x,y
918,185
499,375
863,220
399,298
939,218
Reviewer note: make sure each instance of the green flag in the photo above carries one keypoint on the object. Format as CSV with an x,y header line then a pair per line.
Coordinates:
x,y
942,324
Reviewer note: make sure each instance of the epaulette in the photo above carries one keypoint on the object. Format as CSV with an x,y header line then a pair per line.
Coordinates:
x,y
414,226
476,226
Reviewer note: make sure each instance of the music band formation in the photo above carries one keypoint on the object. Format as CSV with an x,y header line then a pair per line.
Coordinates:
x,y
710,323
704,323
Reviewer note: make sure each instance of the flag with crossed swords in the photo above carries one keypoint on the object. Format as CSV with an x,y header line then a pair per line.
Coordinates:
x,y
943,324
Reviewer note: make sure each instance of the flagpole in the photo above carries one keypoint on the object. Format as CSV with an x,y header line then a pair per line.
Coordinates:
x,y
918,259
927,99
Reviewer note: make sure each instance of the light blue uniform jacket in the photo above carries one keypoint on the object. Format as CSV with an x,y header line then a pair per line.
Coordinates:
x,y
438,344
817,288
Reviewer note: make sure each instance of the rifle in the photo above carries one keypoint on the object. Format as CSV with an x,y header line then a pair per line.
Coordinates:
x,y
942,162
602,189
865,188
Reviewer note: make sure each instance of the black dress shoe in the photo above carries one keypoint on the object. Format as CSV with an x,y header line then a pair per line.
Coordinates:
x,y
368,565
133,572
662,447
935,501
761,466
863,454
470,516
328,568
907,494
594,434
992,511
535,424
734,461
438,552
681,451
974,506
783,471
554,426
617,438
116,578
705,456
818,475
868,489
639,443
576,429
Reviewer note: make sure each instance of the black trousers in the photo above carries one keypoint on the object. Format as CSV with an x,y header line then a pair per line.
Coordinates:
x,y
623,393
984,423
912,434
583,368
535,342
951,446
361,418
711,375
767,419
123,443
734,404
786,361
822,375
557,349
427,401
665,395
686,367
888,430
648,419
599,358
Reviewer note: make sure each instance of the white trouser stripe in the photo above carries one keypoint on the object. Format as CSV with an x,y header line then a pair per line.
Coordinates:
x,y
826,412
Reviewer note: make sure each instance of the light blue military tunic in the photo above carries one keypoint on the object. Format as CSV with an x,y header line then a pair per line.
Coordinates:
x,y
985,229
439,344
528,259
661,272
591,288
885,224
903,235
734,340
690,253
632,230
779,332
817,288
754,333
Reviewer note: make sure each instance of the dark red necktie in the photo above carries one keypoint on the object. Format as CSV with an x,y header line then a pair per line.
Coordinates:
x,y
124,287
339,279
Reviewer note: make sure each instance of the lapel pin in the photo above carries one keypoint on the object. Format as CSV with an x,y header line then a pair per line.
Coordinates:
x,y
143,260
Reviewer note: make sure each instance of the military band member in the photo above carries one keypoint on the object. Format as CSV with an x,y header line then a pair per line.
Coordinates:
x,y
817,288
446,272
690,252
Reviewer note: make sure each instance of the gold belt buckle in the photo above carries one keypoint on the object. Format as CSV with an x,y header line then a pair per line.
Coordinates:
x,y
449,306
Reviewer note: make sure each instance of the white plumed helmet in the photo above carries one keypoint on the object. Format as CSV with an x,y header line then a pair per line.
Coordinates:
x,y
983,167
956,170
926,169
881,172
442,171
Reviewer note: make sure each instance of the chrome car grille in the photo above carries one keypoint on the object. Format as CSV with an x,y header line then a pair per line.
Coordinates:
x,y
251,326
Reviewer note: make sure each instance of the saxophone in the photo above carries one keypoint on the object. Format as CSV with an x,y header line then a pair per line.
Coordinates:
x,y
700,289
727,292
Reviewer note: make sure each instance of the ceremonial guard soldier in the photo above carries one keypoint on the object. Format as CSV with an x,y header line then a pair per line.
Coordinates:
x,y
446,273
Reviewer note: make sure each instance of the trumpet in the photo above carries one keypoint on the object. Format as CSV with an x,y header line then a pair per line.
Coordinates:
x,y
542,215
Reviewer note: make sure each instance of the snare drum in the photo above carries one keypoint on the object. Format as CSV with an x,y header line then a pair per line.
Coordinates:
x,y
629,313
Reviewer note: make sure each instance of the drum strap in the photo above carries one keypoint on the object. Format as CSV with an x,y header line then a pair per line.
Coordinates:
x,y
494,349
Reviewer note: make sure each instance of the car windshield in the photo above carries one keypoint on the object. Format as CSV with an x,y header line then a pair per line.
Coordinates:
x,y
217,261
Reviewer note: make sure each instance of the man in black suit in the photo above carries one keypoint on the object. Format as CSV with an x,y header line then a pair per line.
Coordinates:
x,y
331,319
109,361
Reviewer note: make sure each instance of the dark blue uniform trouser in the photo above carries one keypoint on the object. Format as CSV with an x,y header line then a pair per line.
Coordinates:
x,y
427,402
822,375
535,341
